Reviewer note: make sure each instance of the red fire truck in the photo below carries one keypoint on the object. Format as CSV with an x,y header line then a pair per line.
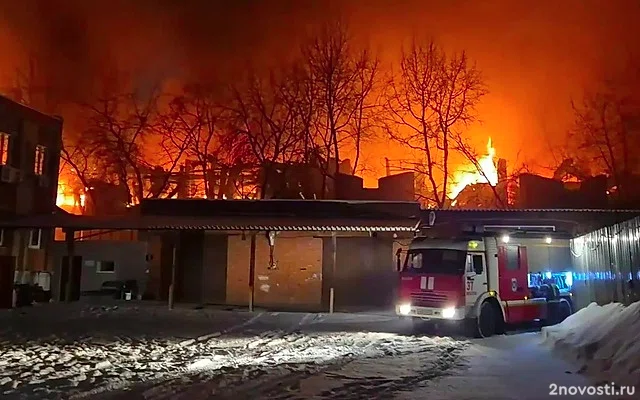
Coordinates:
x,y
486,283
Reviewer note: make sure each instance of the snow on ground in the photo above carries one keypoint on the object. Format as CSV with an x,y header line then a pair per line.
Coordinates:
x,y
506,367
605,340
145,351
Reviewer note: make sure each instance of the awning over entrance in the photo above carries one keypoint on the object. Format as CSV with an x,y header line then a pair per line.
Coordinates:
x,y
563,221
241,216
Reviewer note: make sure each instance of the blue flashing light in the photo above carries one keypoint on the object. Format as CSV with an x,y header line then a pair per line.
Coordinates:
x,y
568,278
547,275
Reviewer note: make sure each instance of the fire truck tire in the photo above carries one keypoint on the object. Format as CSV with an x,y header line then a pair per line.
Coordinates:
x,y
564,310
487,322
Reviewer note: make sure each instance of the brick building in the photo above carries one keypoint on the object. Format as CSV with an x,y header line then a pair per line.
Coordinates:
x,y
291,254
279,253
30,144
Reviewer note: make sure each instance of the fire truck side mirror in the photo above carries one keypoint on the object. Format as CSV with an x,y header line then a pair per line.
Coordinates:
x,y
398,260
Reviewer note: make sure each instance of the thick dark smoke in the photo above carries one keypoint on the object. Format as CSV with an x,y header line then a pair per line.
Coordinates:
x,y
536,56
77,42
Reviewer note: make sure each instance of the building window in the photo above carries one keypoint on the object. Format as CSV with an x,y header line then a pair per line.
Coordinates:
x,y
105,267
35,238
4,148
38,167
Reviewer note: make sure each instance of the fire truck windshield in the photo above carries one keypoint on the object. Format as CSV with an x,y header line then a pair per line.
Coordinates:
x,y
439,261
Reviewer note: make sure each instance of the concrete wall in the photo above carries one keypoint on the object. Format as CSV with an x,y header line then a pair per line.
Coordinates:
x,y
296,282
400,187
555,257
189,267
542,256
202,266
538,192
154,286
213,268
128,256
365,272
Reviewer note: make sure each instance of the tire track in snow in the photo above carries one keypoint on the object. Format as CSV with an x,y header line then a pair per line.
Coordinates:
x,y
262,349
381,388
360,387
286,384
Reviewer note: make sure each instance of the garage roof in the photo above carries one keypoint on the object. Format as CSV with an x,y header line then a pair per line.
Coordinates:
x,y
571,221
145,222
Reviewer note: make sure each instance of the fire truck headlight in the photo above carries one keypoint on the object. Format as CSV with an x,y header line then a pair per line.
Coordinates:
x,y
448,312
404,309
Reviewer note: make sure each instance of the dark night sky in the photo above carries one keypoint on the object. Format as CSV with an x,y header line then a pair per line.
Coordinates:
x,y
536,55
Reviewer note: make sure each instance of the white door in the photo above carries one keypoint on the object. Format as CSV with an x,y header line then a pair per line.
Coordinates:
x,y
475,277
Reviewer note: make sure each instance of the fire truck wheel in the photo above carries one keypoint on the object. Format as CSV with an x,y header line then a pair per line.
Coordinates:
x,y
487,320
564,310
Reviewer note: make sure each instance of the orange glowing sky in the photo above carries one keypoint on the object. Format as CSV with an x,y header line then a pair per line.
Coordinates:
x,y
535,56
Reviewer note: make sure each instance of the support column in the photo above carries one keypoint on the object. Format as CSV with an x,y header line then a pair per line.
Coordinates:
x,y
252,271
334,257
172,285
70,241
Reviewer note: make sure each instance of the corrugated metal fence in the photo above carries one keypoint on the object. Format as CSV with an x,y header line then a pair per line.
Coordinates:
x,y
607,264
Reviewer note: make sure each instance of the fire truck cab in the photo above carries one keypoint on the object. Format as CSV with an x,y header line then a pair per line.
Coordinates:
x,y
484,283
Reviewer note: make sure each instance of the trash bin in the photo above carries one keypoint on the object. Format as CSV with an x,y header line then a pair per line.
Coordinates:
x,y
121,290
129,290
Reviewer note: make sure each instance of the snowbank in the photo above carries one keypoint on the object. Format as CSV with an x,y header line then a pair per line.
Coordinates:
x,y
604,339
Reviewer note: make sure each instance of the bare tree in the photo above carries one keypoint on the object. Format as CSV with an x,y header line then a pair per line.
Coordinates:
x,y
267,123
76,157
605,134
365,119
220,155
430,101
606,131
343,79
119,127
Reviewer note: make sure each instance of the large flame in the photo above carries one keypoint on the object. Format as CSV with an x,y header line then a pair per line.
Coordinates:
x,y
69,200
469,174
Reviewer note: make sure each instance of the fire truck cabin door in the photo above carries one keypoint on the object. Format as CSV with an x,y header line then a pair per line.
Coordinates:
x,y
475,277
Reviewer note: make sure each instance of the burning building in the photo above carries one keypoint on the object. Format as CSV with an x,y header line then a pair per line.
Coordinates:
x,y
481,184
30,144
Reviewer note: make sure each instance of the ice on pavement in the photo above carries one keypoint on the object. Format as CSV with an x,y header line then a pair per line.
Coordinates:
x,y
604,339
114,351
